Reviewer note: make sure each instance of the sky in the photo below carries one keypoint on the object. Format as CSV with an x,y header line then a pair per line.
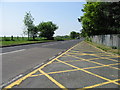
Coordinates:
x,y
63,14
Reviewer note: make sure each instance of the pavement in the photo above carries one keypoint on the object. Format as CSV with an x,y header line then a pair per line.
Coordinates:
x,y
81,66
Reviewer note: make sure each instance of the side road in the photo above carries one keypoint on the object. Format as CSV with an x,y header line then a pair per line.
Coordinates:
x,y
82,66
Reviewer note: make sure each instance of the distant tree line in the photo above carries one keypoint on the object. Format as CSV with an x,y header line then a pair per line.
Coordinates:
x,y
100,18
72,35
44,29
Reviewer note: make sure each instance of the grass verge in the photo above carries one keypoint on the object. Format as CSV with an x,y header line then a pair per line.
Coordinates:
x,y
7,43
105,48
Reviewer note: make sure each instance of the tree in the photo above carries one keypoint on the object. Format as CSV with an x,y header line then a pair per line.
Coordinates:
x,y
47,29
31,29
100,18
74,34
34,32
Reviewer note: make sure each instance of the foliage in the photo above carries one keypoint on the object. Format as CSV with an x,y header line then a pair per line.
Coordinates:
x,y
74,34
62,38
31,29
47,29
59,39
100,18
88,39
105,48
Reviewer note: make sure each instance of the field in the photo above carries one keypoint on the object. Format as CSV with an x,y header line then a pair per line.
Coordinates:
x,y
6,41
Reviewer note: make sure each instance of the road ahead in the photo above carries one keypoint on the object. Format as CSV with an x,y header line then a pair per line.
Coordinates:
x,y
20,59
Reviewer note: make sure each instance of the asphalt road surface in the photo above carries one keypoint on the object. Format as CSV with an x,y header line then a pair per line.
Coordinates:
x,y
81,66
20,59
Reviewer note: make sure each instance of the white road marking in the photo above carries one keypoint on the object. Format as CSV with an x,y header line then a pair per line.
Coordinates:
x,y
49,45
13,51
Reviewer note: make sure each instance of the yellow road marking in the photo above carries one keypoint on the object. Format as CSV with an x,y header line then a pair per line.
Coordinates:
x,y
92,61
75,60
86,71
53,80
72,70
17,82
100,84
82,53
95,55
101,66
56,72
85,59
101,54
102,50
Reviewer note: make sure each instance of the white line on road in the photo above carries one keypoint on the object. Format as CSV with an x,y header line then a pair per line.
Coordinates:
x,y
13,51
49,45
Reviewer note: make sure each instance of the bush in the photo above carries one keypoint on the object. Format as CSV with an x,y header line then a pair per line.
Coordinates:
x,y
114,47
59,39
6,38
88,39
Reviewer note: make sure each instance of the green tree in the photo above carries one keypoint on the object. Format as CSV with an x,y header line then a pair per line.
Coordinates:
x,y
74,34
47,29
31,28
100,18
34,32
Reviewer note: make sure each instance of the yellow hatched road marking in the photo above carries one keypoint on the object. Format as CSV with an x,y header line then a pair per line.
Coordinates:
x,y
102,66
100,84
84,59
75,60
87,71
92,61
72,70
56,72
95,55
53,80
17,82
83,53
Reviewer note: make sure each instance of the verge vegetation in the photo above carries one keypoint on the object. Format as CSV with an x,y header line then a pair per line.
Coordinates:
x,y
112,50
6,41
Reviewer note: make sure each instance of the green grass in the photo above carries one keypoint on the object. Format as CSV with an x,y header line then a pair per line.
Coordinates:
x,y
105,48
6,41
19,38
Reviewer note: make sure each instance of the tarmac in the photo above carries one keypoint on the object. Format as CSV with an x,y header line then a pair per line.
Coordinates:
x,y
83,66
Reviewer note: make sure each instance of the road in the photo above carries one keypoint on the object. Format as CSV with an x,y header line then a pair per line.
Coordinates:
x,y
21,59
81,66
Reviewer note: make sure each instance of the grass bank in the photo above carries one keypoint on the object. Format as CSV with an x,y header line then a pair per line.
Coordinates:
x,y
105,48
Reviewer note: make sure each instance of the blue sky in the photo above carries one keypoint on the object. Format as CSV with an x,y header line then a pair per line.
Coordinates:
x,y
64,14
